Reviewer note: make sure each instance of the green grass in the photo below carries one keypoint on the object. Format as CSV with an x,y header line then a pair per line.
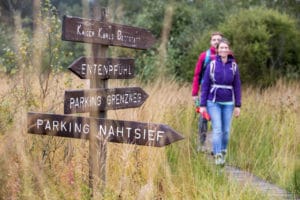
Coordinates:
x,y
265,138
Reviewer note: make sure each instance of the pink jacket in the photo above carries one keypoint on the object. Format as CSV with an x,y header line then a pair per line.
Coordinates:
x,y
198,68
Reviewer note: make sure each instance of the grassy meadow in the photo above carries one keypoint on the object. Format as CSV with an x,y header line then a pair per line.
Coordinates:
x,y
264,141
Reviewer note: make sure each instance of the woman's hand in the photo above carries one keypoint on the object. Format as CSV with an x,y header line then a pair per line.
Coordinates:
x,y
237,111
203,109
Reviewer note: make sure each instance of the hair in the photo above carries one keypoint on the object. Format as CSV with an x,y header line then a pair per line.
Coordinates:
x,y
223,40
216,33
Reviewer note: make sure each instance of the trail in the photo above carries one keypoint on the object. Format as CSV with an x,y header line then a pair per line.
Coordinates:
x,y
246,178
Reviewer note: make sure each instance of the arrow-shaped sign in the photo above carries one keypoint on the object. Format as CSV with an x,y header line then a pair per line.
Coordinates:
x,y
94,31
130,132
80,101
103,68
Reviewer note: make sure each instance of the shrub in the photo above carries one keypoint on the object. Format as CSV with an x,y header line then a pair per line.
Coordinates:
x,y
265,43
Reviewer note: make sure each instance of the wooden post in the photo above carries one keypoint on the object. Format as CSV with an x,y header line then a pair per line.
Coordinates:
x,y
97,146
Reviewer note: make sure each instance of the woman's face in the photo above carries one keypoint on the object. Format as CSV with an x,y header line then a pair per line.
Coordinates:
x,y
223,49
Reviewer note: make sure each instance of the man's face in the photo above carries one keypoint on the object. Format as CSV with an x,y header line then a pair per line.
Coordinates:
x,y
215,39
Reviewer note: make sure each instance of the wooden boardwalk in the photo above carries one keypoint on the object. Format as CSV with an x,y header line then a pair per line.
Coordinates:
x,y
246,178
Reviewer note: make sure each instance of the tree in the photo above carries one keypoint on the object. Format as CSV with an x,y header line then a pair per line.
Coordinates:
x,y
9,7
189,23
265,43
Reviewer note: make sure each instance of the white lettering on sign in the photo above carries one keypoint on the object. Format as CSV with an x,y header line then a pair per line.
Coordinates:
x,y
105,70
84,31
85,101
62,126
128,132
104,35
127,38
126,98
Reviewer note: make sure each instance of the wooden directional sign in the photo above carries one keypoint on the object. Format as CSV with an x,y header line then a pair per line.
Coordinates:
x,y
130,132
103,68
94,31
80,101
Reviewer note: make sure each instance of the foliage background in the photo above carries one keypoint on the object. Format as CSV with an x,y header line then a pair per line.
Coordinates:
x,y
264,34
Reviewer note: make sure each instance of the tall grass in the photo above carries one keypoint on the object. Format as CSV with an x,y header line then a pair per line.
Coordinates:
x,y
265,139
42,167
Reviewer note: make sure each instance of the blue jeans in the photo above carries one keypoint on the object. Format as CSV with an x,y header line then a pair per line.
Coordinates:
x,y
221,115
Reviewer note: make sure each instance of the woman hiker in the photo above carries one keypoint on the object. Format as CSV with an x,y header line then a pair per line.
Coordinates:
x,y
221,97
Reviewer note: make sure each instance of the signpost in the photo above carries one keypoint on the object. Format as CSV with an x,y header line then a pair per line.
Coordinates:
x,y
103,68
98,99
129,132
80,101
98,32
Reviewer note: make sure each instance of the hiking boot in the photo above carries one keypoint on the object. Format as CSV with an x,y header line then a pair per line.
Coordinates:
x,y
218,159
222,162
223,152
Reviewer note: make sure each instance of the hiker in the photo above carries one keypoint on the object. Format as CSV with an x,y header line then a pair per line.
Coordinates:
x,y
203,60
221,97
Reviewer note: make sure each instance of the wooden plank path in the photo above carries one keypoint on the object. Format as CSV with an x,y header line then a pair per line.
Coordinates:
x,y
246,178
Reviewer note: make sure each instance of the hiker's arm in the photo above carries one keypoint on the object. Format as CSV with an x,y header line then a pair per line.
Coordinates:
x,y
205,87
237,88
197,71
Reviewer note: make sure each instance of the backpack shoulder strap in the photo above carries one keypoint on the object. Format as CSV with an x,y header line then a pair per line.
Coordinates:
x,y
212,70
207,58
204,64
234,66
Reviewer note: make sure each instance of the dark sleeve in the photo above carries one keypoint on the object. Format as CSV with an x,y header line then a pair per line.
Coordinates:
x,y
237,88
205,88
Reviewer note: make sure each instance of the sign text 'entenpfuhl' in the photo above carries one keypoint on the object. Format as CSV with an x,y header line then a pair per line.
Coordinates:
x,y
103,68
130,132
